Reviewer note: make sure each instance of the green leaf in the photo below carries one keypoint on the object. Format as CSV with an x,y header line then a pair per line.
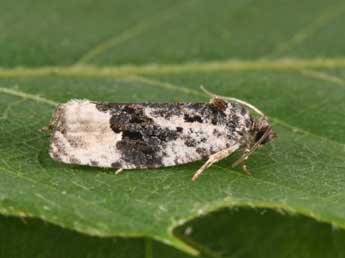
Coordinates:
x,y
288,63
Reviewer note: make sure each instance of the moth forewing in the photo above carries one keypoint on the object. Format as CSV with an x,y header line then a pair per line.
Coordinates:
x,y
148,135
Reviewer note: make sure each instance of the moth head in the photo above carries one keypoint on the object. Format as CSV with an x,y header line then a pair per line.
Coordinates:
x,y
261,134
263,131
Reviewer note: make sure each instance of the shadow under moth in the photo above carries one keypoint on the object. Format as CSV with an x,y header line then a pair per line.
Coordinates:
x,y
152,135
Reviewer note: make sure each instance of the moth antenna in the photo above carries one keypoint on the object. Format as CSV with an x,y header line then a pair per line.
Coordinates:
x,y
207,92
255,109
255,146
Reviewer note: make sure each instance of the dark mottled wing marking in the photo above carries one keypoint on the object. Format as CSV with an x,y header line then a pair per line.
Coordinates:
x,y
156,135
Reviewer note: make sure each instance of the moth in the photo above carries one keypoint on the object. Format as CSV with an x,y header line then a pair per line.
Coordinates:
x,y
153,135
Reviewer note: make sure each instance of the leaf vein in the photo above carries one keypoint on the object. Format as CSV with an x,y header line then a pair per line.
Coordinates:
x,y
323,76
282,64
28,96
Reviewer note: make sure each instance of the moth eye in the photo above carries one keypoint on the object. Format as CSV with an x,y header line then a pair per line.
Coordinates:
x,y
260,134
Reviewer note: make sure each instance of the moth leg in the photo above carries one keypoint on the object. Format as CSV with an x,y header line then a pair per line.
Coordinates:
x,y
213,159
245,164
119,171
245,168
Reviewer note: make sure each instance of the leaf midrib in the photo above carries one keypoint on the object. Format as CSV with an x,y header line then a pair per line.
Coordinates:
x,y
230,65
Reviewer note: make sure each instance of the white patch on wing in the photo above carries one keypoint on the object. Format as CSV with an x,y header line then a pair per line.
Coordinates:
x,y
85,136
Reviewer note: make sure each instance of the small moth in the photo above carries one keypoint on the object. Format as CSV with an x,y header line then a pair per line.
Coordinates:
x,y
152,135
